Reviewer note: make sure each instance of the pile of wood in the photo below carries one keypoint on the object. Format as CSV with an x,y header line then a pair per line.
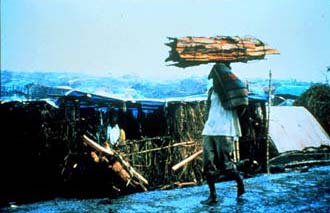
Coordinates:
x,y
309,156
191,51
120,166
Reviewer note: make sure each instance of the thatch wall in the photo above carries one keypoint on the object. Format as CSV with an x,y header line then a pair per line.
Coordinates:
x,y
154,157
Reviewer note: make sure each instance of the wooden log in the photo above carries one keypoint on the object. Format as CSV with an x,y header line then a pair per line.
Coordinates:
x,y
133,171
187,160
118,168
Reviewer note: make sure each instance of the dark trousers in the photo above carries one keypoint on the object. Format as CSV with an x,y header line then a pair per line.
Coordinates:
x,y
216,158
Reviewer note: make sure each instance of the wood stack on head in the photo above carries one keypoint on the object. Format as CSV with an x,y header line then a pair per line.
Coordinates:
x,y
192,51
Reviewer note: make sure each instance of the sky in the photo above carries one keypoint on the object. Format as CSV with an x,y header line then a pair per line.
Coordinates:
x,y
127,37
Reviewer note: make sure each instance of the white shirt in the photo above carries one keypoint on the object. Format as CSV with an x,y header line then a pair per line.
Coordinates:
x,y
113,134
221,122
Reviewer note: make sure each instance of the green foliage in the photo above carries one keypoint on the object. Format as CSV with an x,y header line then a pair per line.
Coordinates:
x,y
317,100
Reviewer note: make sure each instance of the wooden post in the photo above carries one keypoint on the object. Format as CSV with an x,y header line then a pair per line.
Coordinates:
x,y
236,150
268,119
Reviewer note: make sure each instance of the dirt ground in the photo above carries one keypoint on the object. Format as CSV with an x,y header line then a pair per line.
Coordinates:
x,y
296,191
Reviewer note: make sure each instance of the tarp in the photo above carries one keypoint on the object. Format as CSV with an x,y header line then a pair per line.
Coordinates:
x,y
294,90
295,128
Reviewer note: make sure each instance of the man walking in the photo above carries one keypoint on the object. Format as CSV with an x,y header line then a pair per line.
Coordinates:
x,y
220,129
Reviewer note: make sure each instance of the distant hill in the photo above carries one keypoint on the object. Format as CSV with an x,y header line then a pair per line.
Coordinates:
x,y
29,83
43,84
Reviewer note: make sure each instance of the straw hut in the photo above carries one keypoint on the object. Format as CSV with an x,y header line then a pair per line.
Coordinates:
x,y
161,134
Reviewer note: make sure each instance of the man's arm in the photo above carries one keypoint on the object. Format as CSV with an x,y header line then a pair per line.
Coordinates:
x,y
208,102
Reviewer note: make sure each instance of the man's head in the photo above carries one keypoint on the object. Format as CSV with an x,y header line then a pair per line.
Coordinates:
x,y
218,68
113,118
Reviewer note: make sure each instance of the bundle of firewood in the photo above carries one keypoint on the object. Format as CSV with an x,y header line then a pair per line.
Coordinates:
x,y
191,51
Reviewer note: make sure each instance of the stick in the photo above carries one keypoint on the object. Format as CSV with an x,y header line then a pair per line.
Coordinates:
x,y
180,184
165,147
187,160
